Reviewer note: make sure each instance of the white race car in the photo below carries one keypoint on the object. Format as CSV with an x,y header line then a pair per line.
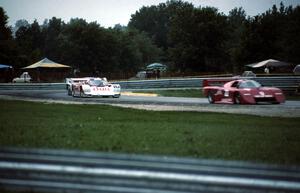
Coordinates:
x,y
89,87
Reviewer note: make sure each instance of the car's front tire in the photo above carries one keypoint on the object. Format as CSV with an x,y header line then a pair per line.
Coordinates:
x,y
275,102
116,96
237,98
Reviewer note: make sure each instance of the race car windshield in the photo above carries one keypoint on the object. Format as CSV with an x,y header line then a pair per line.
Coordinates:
x,y
96,83
249,84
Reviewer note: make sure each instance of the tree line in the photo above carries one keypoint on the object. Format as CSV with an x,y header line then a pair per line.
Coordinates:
x,y
188,39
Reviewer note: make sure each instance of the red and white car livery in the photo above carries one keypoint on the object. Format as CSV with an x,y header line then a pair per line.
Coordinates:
x,y
243,92
89,87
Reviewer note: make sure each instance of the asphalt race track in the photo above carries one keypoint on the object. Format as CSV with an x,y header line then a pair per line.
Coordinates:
x,y
288,109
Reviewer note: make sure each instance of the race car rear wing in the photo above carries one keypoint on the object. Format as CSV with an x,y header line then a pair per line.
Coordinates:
x,y
70,81
216,81
76,80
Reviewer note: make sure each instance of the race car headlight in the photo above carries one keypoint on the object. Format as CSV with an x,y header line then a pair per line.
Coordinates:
x,y
278,93
247,94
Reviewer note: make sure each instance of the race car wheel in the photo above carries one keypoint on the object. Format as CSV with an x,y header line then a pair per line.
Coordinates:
x,y
210,97
237,98
69,92
81,94
116,96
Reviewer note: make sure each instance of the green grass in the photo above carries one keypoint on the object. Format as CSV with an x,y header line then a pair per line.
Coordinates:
x,y
197,93
111,129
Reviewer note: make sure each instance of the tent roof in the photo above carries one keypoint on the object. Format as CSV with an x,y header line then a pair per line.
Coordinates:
x,y
297,69
46,63
155,66
268,63
5,66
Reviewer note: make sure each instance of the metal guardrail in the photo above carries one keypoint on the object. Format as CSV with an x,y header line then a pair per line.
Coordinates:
x,y
161,83
286,83
32,86
38,170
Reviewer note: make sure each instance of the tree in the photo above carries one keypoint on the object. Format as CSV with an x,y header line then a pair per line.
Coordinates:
x,y
192,38
291,41
135,51
273,34
236,22
20,23
155,20
52,30
5,31
197,36
88,46
7,46
30,42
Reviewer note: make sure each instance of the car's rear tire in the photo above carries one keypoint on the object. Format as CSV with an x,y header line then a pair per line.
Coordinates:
x,y
69,91
73,91
116,96
210,97
237,98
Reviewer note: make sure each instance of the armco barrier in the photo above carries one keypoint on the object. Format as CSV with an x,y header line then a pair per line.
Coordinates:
x,y
162,83
40,170
285,82
32,86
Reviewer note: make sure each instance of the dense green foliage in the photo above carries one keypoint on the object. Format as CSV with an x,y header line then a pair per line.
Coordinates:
x,y
186,38
111,129
202,39
7,45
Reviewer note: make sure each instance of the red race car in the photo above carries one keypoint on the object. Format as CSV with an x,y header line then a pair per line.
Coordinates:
x,y
243,92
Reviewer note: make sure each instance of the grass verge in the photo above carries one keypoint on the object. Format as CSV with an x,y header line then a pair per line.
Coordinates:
x,y
112,129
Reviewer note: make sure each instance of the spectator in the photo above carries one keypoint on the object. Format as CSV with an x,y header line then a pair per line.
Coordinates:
x,y
267,71
158,73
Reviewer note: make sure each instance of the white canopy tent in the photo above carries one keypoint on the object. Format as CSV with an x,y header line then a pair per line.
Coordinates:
x,y
297,69
268,63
